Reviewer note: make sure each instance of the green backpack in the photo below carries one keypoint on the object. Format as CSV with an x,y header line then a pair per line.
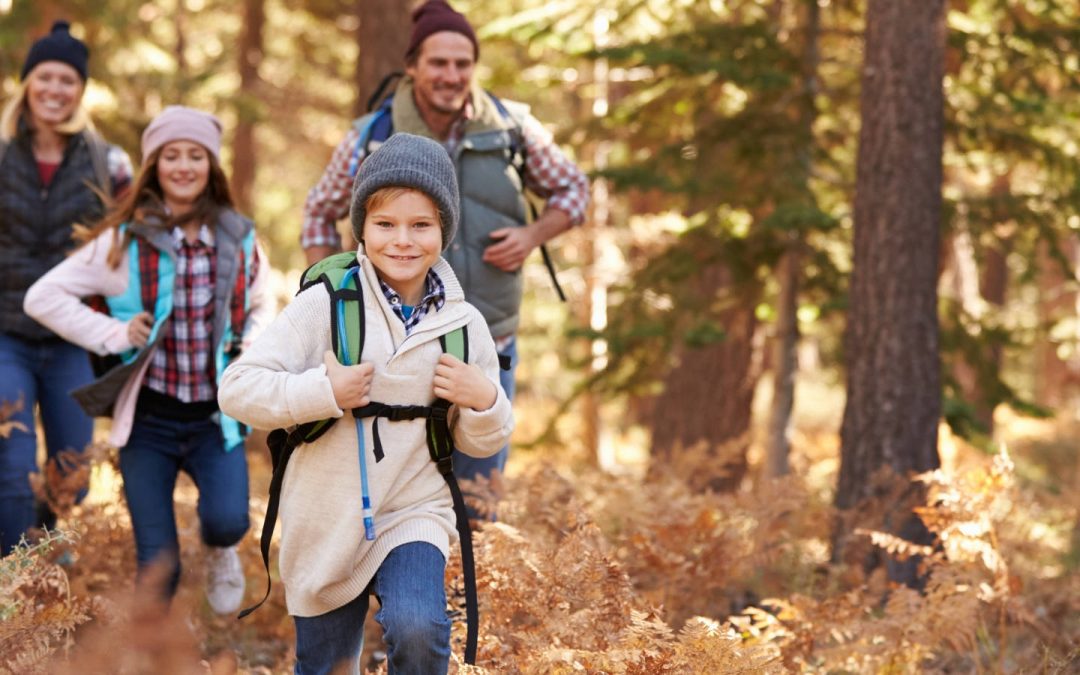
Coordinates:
x,y
338,274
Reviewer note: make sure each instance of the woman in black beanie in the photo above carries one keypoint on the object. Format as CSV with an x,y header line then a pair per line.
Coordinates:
x,y
55,172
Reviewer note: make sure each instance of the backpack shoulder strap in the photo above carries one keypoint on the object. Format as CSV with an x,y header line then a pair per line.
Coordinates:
x,y
374,128
3,149
338,274
515,113
441,448
99,158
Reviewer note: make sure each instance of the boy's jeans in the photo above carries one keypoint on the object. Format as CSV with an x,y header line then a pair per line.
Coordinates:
x,y
412,612
42,373
150,463
468,468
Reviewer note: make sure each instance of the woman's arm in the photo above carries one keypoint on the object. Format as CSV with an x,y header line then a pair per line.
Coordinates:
x,y
55,300
263,305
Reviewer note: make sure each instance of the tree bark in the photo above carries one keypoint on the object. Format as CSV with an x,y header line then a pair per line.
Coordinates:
x,y
244,147
786,342
1055,377
382,37
784,365
893,369
701,422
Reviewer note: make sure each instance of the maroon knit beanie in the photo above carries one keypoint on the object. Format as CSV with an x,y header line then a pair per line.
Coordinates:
x,y
435,16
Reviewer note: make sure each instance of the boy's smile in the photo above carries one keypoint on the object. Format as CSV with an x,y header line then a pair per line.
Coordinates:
x,y
403,239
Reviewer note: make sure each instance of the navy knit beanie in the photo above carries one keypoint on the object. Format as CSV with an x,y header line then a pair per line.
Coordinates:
x,y
58,45
435,16
413,162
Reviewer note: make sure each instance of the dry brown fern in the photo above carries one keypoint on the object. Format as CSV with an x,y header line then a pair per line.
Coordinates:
x,y
38,613
7,425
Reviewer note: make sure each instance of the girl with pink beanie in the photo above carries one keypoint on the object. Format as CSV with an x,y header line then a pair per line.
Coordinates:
x,y
177,286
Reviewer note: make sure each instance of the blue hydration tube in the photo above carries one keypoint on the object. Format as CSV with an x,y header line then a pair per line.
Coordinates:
x,y
369,515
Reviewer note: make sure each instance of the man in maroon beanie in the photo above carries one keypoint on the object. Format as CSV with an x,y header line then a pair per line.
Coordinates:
x,y
499,150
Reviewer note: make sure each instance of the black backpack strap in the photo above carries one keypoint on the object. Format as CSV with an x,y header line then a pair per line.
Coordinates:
x,y
282,443
440,444
99,158
377,96
468,565
518,156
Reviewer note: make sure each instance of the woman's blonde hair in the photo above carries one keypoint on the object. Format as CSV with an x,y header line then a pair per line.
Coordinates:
x,y
16,107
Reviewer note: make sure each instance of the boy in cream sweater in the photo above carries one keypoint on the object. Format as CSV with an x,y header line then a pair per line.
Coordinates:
x,y
405,213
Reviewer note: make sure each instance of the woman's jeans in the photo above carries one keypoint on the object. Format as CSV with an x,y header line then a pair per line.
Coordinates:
x,y
42,373
157,451
412,613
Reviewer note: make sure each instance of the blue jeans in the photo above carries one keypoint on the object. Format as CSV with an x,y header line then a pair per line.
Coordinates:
x,y
412,613
155,454
42,373
468,468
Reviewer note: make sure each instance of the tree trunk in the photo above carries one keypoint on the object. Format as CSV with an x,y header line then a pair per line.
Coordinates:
x,y
701,421
893,370
1054,376
244,150
382,37
786,342
979,293
784,365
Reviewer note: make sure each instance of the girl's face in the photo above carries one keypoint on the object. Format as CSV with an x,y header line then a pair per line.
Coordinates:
x,y
53,92
183,171
403,239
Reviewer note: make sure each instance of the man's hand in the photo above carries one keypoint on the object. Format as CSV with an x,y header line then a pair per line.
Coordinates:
x,y
351,384
464,384
138,329
512,246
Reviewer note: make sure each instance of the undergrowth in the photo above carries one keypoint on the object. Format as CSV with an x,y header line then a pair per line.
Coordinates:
x,y
589,573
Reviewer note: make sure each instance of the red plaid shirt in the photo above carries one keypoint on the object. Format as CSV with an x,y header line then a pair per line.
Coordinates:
x,y
183,367
549,174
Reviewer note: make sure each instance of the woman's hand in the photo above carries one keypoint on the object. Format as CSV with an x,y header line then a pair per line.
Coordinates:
x,y
138,329
351,384
464,384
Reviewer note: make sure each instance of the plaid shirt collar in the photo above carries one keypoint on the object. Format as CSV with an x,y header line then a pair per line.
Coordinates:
x,y
434,298
457,129
206,236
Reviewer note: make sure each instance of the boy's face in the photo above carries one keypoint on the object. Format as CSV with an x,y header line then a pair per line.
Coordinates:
x,y
403,239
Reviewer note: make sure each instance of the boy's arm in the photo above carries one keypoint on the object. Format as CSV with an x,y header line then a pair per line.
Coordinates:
x,y
280,380
481,433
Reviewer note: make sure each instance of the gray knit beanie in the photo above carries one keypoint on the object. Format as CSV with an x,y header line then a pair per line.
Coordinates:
x,y
409,161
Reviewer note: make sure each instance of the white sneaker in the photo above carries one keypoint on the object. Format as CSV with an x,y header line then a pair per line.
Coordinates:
x,y
224,579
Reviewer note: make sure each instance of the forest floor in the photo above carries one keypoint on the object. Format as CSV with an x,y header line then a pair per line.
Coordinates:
x,y
590,572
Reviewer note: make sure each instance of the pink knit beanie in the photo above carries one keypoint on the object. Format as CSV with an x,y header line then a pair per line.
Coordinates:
x,y
180,123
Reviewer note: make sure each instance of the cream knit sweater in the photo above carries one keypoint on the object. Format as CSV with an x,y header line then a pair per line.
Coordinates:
x,y
280,381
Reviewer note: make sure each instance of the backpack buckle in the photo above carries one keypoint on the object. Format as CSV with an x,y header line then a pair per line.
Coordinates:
x,y
445,464
438,413
403,413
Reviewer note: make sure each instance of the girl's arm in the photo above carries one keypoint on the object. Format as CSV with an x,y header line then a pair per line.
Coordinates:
x,y
55,300
280,380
